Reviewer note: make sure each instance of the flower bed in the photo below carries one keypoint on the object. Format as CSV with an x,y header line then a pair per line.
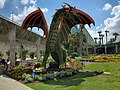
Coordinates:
x,y
33,73
18,71
107,58
28,78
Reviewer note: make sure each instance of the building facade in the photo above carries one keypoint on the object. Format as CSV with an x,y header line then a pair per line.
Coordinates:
x,y
12,37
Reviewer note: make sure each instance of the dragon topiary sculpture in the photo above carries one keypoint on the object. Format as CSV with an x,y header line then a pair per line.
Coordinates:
x,y
63,20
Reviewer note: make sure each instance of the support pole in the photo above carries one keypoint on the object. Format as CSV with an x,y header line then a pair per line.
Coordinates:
x,y
38,48
105,49
95,49
116,48
12,38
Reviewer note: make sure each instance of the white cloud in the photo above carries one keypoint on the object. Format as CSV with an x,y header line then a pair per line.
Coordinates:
x,y
2,3
44,10
113,24
119,2
25,2
99,26
33,1
107,6
27,10
93,33
19,18
16,7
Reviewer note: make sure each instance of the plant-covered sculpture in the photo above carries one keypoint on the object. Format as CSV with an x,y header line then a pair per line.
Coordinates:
x,y
63,20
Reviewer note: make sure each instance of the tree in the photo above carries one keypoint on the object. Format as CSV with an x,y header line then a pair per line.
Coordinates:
x,y
99,33
106,35
80,40
95,38
115,34
99,37
111,40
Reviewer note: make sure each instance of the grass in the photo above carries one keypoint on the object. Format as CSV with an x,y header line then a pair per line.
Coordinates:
x,y
85,81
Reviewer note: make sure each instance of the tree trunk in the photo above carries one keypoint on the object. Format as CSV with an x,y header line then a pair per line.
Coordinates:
x,y
79,50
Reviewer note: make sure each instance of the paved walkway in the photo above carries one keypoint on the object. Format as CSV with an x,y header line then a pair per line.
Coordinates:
x,y
7,83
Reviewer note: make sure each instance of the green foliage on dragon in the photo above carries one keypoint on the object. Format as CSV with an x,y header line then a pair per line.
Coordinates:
x,y
63,20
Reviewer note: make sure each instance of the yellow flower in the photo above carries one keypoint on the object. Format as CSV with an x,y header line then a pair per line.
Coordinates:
x,y
72,60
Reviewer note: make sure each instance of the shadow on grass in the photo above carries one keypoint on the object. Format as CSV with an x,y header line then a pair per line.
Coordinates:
x,y
73,80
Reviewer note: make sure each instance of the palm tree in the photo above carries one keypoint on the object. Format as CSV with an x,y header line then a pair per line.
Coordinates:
x,y
106,35
111,40
99,37
115,34
99,33
106,32
95,38
100,40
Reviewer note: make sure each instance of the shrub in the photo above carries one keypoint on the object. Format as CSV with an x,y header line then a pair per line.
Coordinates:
x,y
61,73
8,53
84,53
24,52
36,77
32,55
50,76
74,54
78,58
1,53
69,73
56,74
24,76
41,51
50,59
18,71
43,77
28,79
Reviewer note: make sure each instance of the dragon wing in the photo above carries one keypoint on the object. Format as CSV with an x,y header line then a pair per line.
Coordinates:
x,y
36,19
76,17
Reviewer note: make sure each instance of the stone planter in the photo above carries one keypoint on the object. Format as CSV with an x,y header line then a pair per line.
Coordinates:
x,y
32,56
24,57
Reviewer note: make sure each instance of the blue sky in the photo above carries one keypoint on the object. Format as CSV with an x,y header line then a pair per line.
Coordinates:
x,y
106,13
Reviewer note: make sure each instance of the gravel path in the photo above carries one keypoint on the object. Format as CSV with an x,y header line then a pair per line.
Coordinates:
x,y
7,83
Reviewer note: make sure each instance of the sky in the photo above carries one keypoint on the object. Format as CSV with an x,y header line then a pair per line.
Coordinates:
x,y
106,13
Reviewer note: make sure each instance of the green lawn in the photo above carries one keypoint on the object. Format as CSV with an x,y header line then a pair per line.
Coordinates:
x,y
83,81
